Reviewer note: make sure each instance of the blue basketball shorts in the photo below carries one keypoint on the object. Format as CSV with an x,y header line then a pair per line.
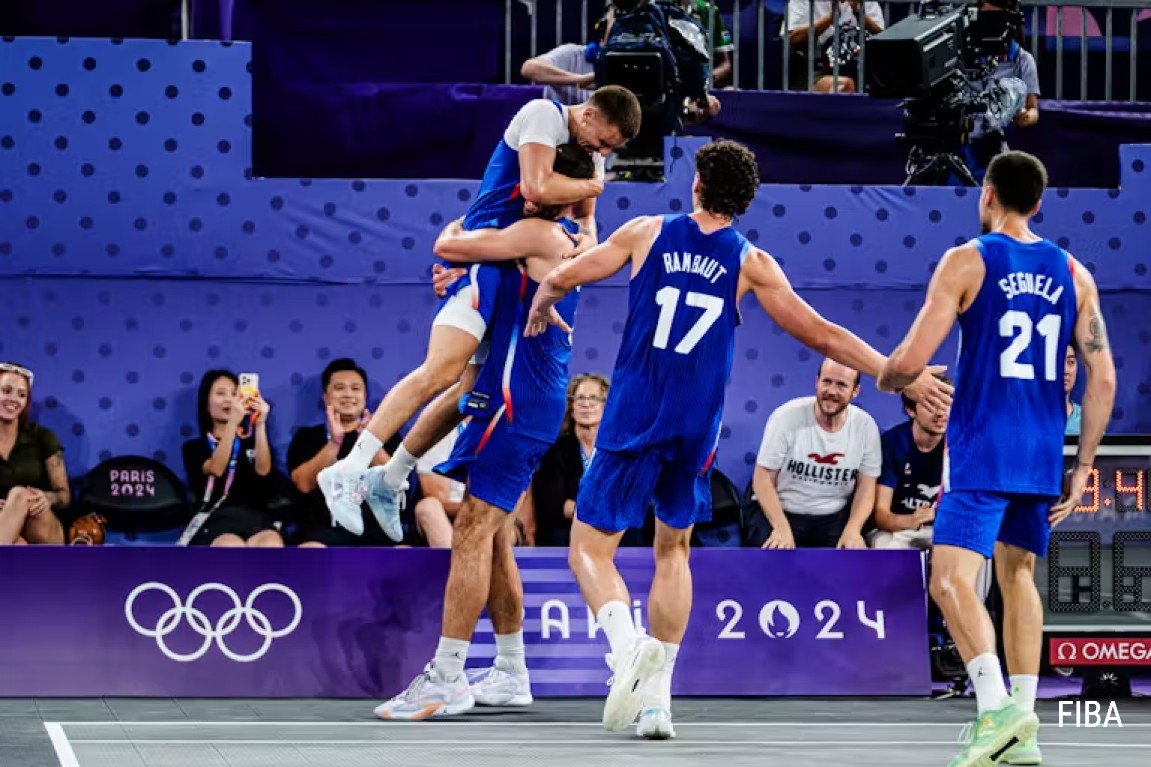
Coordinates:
x,y
618,487
470,302
975,520
496,463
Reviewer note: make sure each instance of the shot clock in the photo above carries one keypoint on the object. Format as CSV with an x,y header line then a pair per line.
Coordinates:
x,y
1097,575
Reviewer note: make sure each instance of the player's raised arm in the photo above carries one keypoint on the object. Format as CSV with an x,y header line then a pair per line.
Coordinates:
x,y
599,263
485,245
762,276
1090,340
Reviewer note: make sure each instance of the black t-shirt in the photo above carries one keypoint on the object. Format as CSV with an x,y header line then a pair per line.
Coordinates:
x,y
306,443
556,481
248,487
27,464
914,477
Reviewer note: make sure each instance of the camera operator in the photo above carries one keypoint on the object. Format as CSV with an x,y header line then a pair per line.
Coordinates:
x,y
1016,80
659,52
802,16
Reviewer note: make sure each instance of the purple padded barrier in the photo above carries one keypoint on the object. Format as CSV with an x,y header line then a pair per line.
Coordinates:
x,y
329,623
135,254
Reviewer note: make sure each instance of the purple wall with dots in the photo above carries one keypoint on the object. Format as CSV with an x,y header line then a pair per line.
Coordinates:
x,y
136,251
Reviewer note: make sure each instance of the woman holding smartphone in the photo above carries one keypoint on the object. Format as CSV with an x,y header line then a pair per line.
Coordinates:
x,y
229,465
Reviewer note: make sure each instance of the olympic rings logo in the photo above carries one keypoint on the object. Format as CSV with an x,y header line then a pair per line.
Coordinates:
x,y
228,622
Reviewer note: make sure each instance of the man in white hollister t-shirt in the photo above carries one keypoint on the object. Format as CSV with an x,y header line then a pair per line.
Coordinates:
x,y
817,467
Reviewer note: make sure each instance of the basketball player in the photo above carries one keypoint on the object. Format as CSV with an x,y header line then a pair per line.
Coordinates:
x,y
516,409
662,420
519,174
1019,300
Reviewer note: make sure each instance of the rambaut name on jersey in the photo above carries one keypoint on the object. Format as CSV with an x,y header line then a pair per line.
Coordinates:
x,y
1041,285
705,267
822,469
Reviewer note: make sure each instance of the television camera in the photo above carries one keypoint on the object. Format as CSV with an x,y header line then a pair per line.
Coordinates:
x,y
939,61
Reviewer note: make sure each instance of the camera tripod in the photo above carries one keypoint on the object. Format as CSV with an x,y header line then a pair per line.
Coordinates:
x,y
935,168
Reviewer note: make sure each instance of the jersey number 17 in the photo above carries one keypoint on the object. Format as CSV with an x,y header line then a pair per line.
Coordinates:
x,y
668,300
1019,326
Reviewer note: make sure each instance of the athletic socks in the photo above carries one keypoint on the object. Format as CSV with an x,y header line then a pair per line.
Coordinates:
x,y
396,471
1024,689
663,683
451,655
365,449
615,620
987,676
510,655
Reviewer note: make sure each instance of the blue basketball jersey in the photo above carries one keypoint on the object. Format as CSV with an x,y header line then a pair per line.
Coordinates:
x,y
524,380
1006,429
498,203
667,390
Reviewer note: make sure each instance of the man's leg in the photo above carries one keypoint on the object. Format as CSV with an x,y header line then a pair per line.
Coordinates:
x,y
449,349
613,496
966,526
444,688
507,682
384,484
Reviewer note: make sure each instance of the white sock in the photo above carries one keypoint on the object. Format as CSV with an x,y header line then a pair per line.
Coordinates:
x,y
365,449
451,655
396,471
663,690
510,654
615,620
1024,688
987,677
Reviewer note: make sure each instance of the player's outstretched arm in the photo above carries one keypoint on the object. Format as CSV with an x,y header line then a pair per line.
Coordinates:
x,y
762,276
960,269
485,245
1090,339
594,265
542,185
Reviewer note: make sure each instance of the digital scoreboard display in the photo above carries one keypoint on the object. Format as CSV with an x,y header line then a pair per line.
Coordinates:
x,y
1096,578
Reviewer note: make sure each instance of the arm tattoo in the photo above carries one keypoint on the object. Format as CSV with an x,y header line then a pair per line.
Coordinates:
x,y
1097,338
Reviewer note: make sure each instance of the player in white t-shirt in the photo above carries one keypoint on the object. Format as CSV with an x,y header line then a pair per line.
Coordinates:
x,y
520,179
820,456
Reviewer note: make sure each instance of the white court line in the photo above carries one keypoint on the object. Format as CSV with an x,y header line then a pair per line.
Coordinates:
x,y
440,744
60,743
451,723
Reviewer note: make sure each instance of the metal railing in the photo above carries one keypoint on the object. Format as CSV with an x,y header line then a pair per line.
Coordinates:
x,y
1094,35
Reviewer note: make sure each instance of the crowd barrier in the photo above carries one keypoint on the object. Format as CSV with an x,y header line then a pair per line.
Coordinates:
x,y
142,622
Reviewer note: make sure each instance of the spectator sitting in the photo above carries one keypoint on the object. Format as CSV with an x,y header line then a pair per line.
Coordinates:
x,y
230,468
797,27
315,448
1074,410
911,479
549,505
33,478
442,497
820,457
568,71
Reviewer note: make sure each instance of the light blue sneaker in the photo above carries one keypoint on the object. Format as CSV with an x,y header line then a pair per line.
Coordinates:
x,y
655,724
385,502
990,736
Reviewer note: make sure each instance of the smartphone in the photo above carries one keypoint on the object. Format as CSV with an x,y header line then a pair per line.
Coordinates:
x,y
249,384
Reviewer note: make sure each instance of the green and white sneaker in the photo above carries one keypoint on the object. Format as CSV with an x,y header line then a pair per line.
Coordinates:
x,y
993,733
1024,752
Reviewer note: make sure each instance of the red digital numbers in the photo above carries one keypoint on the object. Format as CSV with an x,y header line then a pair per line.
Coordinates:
x,y
1123,491
1092,489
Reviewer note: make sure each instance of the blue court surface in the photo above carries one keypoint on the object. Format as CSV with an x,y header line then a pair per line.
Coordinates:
x,y
261,733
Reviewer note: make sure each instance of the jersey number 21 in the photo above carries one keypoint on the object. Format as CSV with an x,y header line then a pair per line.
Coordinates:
x,y
1019,327
668,300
